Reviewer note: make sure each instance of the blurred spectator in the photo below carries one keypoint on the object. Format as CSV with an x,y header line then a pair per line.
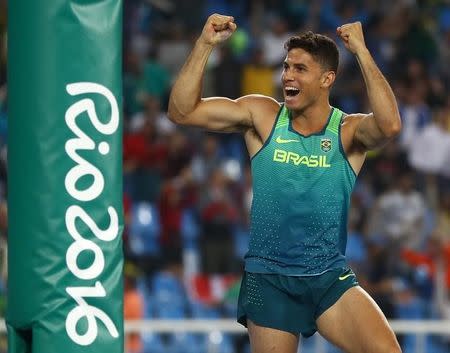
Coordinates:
x,y
257,77
133,305
143,235
152,112
435,158
207,159
177,195
171,206
227,74
179,153
169,292
382,168
414,39
272,41
356,252
415,114
156,77
378,279
144,158
335,13
218,218
137,145
297,13
133,93
399,215
434,256
379,41
174,48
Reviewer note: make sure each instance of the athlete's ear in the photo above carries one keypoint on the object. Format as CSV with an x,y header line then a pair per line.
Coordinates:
x,y
328,78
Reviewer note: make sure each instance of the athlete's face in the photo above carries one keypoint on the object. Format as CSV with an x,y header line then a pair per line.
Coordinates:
x,y
304,80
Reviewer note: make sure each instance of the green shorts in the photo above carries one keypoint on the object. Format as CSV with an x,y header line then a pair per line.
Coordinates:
x,y
291,303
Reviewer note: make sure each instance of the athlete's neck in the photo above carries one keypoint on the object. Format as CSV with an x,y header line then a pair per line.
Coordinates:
x,y
312,119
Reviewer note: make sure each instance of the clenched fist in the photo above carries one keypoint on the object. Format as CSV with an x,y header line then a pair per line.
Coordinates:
x,y
352,36
217,29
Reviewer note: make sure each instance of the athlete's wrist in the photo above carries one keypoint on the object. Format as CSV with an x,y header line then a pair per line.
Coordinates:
x,y
362,54
204,44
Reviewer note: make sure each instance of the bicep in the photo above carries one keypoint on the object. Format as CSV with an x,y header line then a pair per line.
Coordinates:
x,y
221,114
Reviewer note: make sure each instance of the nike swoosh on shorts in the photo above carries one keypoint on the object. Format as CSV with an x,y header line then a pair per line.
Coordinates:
x,y
345,276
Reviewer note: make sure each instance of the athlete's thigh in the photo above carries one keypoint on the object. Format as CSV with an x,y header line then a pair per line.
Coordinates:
x,y
356,324
265,339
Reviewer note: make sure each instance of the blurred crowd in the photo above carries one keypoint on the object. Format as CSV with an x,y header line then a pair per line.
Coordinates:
x,y
187,193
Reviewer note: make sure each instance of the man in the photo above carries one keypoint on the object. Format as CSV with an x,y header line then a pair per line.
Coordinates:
x,y
305,157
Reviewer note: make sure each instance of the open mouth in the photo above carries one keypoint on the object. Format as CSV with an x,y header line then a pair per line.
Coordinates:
x,y
291,91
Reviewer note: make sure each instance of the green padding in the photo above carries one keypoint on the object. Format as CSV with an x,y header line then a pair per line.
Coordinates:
x,y
65,178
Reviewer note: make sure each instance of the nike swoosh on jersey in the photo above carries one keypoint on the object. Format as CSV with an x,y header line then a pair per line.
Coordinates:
x,y
280,140
341,278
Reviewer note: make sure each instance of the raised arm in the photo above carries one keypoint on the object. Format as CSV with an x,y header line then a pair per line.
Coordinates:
x,y
375,129
186,105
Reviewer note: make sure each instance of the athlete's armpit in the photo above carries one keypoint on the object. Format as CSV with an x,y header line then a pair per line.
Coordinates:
x,y
354,150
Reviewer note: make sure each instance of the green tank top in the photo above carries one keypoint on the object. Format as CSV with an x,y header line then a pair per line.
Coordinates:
x,y
301,196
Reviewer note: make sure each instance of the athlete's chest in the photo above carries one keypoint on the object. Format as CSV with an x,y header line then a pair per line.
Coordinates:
x,y
290,151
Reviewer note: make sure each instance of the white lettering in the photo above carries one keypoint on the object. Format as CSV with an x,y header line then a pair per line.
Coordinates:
x,y
84,310
84,142
83,168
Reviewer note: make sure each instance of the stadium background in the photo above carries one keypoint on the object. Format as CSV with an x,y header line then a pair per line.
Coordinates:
x,y
187,193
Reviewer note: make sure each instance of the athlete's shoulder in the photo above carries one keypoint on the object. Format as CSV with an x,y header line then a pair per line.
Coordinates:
x,y
262,108
259,101
352,120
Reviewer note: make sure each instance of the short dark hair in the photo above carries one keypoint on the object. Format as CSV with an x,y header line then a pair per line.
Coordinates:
x,y
320,47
